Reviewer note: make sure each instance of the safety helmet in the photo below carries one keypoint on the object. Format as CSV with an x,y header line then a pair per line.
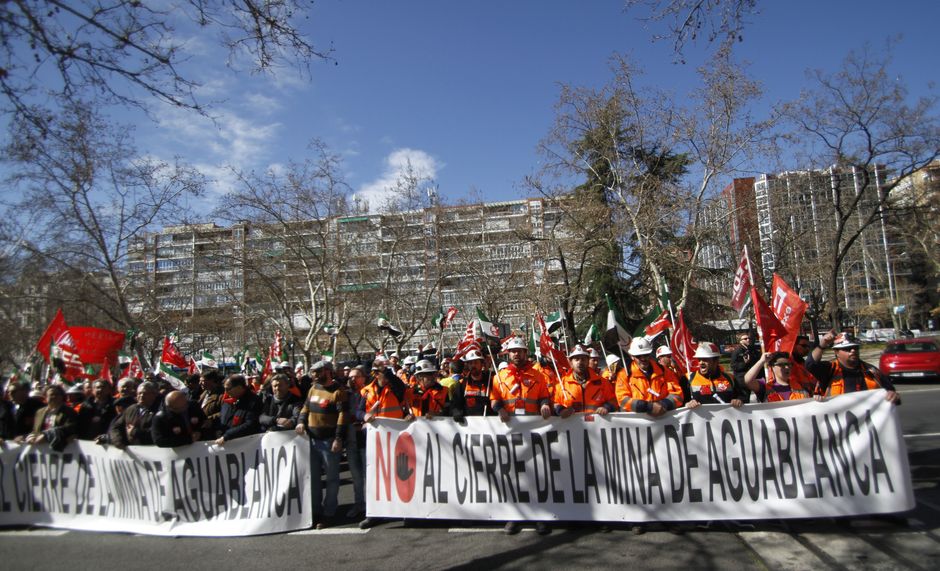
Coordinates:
x,y
845,341
578,351
410,360
595,354
640,347
663,350
472,355
425,366
707,350
611,359
514,343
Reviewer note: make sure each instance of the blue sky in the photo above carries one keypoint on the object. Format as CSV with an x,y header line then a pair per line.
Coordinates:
x,y
465,90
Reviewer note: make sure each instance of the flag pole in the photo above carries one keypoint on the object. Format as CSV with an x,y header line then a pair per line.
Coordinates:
x,y
493,371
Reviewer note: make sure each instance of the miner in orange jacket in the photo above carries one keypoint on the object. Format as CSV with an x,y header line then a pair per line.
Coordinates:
x,y
520,389
710,384
429,398
649,387
847,373
386,396
582,389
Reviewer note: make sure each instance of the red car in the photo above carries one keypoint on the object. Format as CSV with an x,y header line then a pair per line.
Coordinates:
x,y
911,359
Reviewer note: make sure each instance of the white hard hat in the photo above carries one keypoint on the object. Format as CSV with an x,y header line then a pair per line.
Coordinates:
x,y
410,360
578,351
425,366
514,343
595,354
283,365
640,347
472,355
503,365
845,341
611,359
707,350
664,350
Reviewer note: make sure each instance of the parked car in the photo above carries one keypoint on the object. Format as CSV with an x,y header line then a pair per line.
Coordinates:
x,y
911,359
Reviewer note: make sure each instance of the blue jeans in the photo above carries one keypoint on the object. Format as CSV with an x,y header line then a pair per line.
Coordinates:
x,y
357,469
322,458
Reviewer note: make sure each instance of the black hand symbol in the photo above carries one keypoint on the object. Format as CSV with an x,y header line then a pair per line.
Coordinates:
x,y
401,467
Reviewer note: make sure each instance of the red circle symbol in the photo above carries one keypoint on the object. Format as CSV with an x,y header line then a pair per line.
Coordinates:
x,y
406,465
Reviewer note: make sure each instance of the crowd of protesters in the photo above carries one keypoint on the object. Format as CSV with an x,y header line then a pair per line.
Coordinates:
x,y
333,405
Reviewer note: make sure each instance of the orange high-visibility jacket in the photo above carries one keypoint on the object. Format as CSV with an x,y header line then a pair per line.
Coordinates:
x,y
636,392
520,391
594,393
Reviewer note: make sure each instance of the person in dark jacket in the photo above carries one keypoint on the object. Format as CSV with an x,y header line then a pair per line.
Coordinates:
x,y
172,426
240,410
96,412
356,439
743,357
18,411
56,423
134,426
280,408
211,399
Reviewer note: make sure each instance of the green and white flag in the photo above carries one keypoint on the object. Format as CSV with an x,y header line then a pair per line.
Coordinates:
x,y
592,336
553,321
207,361
616,333
438,321
487,326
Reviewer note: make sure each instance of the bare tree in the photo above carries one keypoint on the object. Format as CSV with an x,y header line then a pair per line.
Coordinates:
x,y
292,263
129,52
860,125
84,197
721,21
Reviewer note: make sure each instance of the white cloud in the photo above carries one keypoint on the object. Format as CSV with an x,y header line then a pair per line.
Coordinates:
x,y
379,192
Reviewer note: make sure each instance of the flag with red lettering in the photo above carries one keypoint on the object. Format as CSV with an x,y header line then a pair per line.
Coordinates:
x,y
472,339
96,345
742,284
658,325
63,348
683,348
772,331
106,372
789,309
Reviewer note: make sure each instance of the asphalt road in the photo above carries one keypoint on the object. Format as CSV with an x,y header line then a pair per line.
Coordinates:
x,y
911,541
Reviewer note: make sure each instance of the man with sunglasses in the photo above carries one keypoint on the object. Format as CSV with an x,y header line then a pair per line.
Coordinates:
x,y
847,372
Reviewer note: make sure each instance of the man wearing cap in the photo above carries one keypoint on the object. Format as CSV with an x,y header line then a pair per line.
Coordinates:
x,y
649,388
429,398
582,389
520,389
472,395
847,373
710,384
615,371
324,418
594,360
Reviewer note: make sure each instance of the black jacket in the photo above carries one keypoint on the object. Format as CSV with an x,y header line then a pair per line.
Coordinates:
x,y
18,421
134,426
94,418
240,418
271,410
170,429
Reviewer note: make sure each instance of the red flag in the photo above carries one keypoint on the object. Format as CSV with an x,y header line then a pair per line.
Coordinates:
x,y
96,345
742,283
772,331
52,332
789,309
191,370
683,347
135,371
65,349
547,348
659,325
172,356
449,316
469,342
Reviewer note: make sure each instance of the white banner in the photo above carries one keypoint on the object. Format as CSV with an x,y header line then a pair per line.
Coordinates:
x,y
257,484
794,459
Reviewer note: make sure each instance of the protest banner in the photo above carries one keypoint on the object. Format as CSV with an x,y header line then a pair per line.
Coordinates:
x,y
254,485
796,459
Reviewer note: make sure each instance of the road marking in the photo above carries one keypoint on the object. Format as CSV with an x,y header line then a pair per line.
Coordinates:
x,y
333,531
481,530
930,505
36,532
851,551
925,435
781,550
